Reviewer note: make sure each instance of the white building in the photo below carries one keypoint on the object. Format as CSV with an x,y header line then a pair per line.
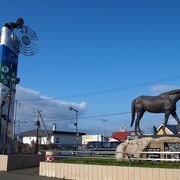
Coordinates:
x,y
56,137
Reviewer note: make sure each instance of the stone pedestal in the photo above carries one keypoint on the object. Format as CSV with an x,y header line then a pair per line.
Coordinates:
x,y
139,145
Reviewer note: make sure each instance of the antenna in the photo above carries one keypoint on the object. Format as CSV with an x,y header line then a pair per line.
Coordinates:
x,y
25,40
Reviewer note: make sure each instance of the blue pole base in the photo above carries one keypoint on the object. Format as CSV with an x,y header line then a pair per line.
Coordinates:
x,y
10,147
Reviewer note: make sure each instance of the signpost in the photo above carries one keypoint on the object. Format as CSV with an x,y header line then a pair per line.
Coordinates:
x,y
152,155
173,147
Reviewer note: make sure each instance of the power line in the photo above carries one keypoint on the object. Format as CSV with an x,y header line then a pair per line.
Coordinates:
x,y
95,117
170,78
132,86
87,117
104,115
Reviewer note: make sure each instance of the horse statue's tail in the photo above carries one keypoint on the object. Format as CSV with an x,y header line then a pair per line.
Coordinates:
x,y
133,112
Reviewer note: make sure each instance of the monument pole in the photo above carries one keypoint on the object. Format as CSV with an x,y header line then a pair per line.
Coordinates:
x,y
15,39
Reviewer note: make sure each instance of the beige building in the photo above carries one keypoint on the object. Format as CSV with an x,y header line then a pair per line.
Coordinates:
x,y
89,138
169,130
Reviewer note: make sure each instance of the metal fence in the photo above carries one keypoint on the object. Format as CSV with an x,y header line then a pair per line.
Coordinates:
x,y
125,155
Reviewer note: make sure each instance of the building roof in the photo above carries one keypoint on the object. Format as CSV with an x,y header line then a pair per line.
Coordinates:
x,y
120,136
172,128
42,133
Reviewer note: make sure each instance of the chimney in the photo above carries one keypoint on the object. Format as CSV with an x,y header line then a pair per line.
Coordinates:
x,y
54,127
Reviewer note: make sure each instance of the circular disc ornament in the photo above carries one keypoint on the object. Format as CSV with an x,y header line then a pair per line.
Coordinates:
x,y
25,40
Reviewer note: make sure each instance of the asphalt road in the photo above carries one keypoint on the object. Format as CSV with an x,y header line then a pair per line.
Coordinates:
x,y
23,174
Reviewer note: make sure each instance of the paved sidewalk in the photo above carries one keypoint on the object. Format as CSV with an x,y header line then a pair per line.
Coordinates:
x,y
24,174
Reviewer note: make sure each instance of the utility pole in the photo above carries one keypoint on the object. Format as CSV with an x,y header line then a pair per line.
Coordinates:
x,y
76,124
15,115
18,126
37,123
47,134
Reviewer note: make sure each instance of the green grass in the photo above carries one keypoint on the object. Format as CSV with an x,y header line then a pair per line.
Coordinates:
x,y
112,162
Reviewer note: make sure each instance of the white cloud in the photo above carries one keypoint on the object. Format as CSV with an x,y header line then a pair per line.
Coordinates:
x,y
53,110
159,88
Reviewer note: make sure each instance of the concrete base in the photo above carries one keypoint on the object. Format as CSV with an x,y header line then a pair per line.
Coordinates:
x,y
14,162
102,172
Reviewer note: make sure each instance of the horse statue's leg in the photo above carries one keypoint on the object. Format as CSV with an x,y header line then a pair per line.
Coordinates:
x,y
140,117
136,127
174,114
166,120
137,123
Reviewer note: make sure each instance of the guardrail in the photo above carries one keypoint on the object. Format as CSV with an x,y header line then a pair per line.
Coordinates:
x,y
128,155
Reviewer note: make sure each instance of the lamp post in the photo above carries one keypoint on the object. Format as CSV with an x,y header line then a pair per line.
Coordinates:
x,y
76,124
14,81
104,121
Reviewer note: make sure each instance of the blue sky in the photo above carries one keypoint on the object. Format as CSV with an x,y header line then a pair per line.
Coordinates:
x,y
98,56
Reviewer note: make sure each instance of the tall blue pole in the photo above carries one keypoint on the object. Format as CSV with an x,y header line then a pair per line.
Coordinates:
x,y
8,73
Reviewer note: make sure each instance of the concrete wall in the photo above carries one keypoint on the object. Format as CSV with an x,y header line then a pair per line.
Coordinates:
x,y
13,162
3,162
99,172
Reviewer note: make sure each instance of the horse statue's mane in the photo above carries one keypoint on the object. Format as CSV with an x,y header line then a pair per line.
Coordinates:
x,y
170,92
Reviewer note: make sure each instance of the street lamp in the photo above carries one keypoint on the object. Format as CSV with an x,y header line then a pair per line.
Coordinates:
x,y
76,124
13,82
104,121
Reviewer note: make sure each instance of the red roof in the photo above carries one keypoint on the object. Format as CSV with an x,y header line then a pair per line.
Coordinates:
x,y
121,136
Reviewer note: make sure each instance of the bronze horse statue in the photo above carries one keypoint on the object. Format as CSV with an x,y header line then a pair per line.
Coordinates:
x,y
163,103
